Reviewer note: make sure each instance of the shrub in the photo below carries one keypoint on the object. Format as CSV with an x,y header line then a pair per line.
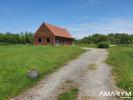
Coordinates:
x,y
103,45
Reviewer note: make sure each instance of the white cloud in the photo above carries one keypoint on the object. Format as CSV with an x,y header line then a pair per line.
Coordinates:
x,y
106,26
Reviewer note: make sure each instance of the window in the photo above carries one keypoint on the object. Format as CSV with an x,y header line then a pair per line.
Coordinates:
x,y
48,40
40,40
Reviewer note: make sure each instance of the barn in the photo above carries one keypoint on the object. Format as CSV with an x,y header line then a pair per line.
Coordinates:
x,y
51,34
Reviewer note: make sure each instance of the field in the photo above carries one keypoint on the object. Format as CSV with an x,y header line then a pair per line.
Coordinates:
x,y
16,60
121,57
88,45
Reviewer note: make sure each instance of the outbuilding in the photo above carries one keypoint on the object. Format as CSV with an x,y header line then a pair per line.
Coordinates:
x,y
51,34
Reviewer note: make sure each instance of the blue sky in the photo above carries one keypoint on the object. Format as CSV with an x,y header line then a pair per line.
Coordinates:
x,y
80,17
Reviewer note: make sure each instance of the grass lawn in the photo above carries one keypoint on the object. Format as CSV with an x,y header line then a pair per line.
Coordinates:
x,y
16,60
121,57
69,95
88,45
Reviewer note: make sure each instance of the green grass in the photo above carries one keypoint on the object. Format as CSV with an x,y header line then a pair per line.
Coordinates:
x,y
16,60
69,95
88,45
121,57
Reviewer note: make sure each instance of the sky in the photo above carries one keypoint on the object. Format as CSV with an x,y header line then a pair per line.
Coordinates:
x,y
80,17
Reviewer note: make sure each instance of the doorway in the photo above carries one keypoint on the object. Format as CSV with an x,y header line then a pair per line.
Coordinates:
x,y
48,40
39,40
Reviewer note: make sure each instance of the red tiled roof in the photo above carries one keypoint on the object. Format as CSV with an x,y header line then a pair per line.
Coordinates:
x,y
58,31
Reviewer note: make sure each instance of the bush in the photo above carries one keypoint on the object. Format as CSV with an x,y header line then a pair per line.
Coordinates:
x,y
103,45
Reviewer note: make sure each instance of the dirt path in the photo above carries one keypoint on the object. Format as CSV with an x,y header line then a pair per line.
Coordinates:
x,y
88,73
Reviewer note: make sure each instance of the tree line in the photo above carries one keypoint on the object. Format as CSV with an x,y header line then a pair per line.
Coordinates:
x,y
19,38
27,38
113,38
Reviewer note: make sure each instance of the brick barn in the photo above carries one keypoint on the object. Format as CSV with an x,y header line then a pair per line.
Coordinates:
x,y
51,34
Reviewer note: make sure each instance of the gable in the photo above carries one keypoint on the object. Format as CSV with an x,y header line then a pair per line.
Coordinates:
x,y
43,31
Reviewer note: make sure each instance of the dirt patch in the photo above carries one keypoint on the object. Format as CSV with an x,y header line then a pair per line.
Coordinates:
x,y
92,66
67,85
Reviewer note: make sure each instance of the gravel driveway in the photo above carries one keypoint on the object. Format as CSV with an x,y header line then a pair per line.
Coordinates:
x,y
89,73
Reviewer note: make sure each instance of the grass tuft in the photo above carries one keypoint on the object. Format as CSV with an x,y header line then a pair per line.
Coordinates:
x,y
92,66
69,95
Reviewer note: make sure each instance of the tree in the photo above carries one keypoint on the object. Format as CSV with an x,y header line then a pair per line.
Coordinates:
x,y
19,38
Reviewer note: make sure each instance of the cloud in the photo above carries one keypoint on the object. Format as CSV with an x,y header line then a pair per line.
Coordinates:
x,y
105,27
